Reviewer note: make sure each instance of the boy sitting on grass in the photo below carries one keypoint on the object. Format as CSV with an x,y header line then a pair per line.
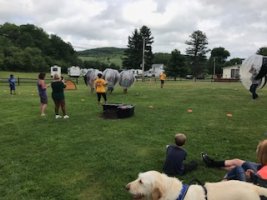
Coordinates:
x,y
175,156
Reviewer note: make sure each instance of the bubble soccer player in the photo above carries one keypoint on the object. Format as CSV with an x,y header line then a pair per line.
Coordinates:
x,y
126,80
253,73
112,77
90,78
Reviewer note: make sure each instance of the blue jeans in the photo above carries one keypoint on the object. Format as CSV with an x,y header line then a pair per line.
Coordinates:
x,y
238,173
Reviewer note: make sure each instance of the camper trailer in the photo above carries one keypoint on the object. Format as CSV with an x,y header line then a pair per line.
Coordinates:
x,y
137,73
55,70
74,71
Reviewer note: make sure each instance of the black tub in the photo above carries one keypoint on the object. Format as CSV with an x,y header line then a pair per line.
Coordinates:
x,y
117,110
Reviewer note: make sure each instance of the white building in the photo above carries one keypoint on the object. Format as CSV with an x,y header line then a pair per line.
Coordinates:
x,y
55,70
74,71
231,72
157,69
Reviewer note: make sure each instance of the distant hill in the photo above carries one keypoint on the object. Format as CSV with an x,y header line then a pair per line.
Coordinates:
x,y
104,51
107,55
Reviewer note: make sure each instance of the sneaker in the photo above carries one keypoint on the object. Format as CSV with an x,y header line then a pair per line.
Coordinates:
x,y
66,117
207,160
58,117
42,115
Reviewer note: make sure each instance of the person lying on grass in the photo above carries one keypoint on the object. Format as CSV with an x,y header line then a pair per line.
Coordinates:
x,y
240,169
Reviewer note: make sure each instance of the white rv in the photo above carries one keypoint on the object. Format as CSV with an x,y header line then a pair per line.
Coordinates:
x,y
137,72
55,70
74,71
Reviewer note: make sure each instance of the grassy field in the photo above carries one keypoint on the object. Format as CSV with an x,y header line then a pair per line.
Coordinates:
x,y
88,157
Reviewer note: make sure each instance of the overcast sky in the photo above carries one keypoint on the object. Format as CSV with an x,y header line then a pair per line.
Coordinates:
x,y
240,26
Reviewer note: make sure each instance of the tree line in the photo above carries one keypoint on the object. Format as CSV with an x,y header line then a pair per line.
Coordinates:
x,y
194,62
29,48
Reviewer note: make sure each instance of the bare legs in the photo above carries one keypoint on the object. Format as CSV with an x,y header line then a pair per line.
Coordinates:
x,y
42,109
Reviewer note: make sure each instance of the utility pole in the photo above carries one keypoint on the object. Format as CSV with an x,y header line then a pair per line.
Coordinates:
x,y
143,60
214,68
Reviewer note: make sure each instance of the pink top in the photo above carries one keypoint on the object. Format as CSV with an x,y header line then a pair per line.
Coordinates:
x,y
263,172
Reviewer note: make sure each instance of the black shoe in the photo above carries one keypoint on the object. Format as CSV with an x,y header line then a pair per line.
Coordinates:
x,y
207,160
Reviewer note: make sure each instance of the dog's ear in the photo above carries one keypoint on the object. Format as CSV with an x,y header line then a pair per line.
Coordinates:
x,y
156,194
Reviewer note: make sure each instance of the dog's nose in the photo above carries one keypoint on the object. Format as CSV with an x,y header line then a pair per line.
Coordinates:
x,y
127,187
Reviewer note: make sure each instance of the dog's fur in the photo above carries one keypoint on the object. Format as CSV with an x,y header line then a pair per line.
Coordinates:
x,y
153,185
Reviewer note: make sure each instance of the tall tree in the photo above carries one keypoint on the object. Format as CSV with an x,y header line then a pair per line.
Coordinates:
x,y
176,65
148,39
262,51
197,51
217,60
133,55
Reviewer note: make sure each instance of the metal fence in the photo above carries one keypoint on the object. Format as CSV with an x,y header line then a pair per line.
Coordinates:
x,y
32,81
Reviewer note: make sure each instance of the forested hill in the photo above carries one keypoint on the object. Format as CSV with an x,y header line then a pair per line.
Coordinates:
x,y
104,51
30,48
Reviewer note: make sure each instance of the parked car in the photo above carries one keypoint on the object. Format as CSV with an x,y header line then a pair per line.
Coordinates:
x,y
189,76
200,76
148,74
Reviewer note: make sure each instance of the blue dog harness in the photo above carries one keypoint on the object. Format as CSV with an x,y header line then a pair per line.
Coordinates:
x,y
183,192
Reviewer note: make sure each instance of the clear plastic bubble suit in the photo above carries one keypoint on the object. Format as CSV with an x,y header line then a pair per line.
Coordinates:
x,y
259,63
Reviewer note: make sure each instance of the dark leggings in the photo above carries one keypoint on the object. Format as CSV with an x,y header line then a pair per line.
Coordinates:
x,y
253,89
58,104
99,96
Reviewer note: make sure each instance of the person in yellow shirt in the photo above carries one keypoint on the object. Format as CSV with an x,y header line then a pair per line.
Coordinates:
x,y
100,87
162,78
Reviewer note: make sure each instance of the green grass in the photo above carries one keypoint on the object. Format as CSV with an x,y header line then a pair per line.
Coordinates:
x,y
87,157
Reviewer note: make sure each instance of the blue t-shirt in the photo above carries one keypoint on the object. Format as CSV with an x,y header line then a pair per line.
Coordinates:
x,y
175,156
12,83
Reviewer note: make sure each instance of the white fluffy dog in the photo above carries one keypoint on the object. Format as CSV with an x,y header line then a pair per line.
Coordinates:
x,y
153,185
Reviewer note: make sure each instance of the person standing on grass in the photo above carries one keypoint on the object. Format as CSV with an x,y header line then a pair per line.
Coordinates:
x,y
42,92
162,78
100,87
12,84
254,83
58,96
175,156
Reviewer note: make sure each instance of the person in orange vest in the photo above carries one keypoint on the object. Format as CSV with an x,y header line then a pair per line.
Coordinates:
x,y
162,78
100,87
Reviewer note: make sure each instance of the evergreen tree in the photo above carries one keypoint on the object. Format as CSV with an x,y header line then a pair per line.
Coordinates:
x,y
146,34
217,58
133,55
197,51
176,65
